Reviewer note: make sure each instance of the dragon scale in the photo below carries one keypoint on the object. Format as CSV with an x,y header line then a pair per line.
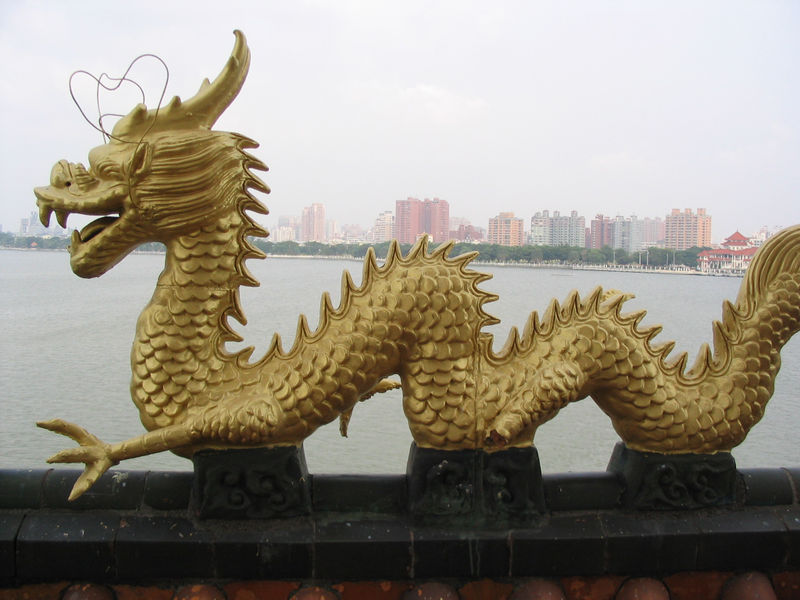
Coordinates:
x,y
166,176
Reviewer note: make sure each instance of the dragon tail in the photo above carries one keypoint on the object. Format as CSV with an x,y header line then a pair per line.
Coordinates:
x,y
732,387
776,263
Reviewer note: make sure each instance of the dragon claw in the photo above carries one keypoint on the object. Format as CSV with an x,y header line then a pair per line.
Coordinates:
x,y
497,438
92,451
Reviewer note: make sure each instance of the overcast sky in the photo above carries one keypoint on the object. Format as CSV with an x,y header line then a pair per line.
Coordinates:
x,y
601,107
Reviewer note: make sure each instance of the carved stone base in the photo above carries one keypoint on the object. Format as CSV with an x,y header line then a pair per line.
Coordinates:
x,y
473,483
675,481
262,483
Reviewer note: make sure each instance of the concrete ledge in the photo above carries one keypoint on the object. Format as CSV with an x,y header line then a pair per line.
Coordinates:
x,y
138,527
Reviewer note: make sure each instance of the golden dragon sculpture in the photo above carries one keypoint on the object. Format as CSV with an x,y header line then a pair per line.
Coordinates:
x,y
166,176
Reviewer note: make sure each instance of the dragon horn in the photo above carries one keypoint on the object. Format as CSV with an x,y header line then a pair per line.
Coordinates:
x,y
201,110
212,99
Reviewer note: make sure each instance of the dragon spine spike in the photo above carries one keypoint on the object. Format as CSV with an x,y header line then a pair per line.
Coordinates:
x,y
444,249
722,343
174,104
487,297
511,346
244,355
679,364
348,287
252,251
730,315
248,251
253,229
236,310
614,304
550,317
597,296
636,318
572,304
420,249
466,258
532,328
651,332
325,309
393,254
489,320
664,350
370,265
701,362
275,347
302,333
481,277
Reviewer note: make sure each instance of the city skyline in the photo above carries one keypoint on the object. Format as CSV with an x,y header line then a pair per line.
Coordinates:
x,y
680,229
632,108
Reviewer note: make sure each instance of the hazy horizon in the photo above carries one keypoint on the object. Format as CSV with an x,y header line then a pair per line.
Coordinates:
x,y
600,107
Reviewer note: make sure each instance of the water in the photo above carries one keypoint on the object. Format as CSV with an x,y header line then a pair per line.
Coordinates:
x,y
65,344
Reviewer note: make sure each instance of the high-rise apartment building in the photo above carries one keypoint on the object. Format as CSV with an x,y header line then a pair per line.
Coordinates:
x,y
436,219
506,230
568,230
286,222
540,229
383,230
631,234
627,233
352,233
686,229
414,217
602,232
332,230
557,230
283,234
407,220
313,223
652,232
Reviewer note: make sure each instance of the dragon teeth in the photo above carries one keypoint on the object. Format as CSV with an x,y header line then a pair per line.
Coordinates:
x,y
44,215
61,217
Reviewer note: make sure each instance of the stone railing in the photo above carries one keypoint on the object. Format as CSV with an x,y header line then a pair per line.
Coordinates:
x,y
481,525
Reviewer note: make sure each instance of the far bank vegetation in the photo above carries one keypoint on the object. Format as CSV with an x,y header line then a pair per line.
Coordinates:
x,y
490,253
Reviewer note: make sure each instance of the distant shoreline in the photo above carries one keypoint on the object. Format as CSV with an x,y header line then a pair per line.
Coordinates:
x,y
523,265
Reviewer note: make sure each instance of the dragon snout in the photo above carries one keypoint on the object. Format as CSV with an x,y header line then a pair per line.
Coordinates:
x,y
65,174
61,175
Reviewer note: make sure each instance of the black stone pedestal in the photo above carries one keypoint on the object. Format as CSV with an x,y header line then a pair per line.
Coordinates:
x,y
259,483
675,481
457,484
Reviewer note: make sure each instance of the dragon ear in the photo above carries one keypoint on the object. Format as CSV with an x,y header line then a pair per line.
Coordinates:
x,y
140,160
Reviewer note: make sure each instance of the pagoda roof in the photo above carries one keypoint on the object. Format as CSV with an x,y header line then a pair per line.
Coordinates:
x,y
737,239
729,252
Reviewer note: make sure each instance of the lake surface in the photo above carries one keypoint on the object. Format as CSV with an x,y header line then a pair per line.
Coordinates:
x,y
65,346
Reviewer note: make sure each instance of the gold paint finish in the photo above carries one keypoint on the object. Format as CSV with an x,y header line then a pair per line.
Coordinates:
x,y
166,176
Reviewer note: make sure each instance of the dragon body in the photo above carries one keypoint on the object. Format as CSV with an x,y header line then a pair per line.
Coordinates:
x,y
165,175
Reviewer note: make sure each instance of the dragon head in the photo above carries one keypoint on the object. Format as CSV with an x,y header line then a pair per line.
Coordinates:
x,y
163,173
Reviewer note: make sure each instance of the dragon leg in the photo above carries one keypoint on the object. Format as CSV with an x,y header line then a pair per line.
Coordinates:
x,y
99,456
552,388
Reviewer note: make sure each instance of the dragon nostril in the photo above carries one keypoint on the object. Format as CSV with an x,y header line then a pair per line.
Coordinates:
x,y
67,183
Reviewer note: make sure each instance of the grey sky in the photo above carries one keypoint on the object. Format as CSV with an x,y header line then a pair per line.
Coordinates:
x,y
612,107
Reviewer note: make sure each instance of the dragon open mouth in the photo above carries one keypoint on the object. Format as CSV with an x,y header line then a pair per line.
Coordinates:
x,y
94,228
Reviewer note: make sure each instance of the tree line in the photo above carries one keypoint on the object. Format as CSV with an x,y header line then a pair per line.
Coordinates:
x,y
53,242
556,255
571,255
